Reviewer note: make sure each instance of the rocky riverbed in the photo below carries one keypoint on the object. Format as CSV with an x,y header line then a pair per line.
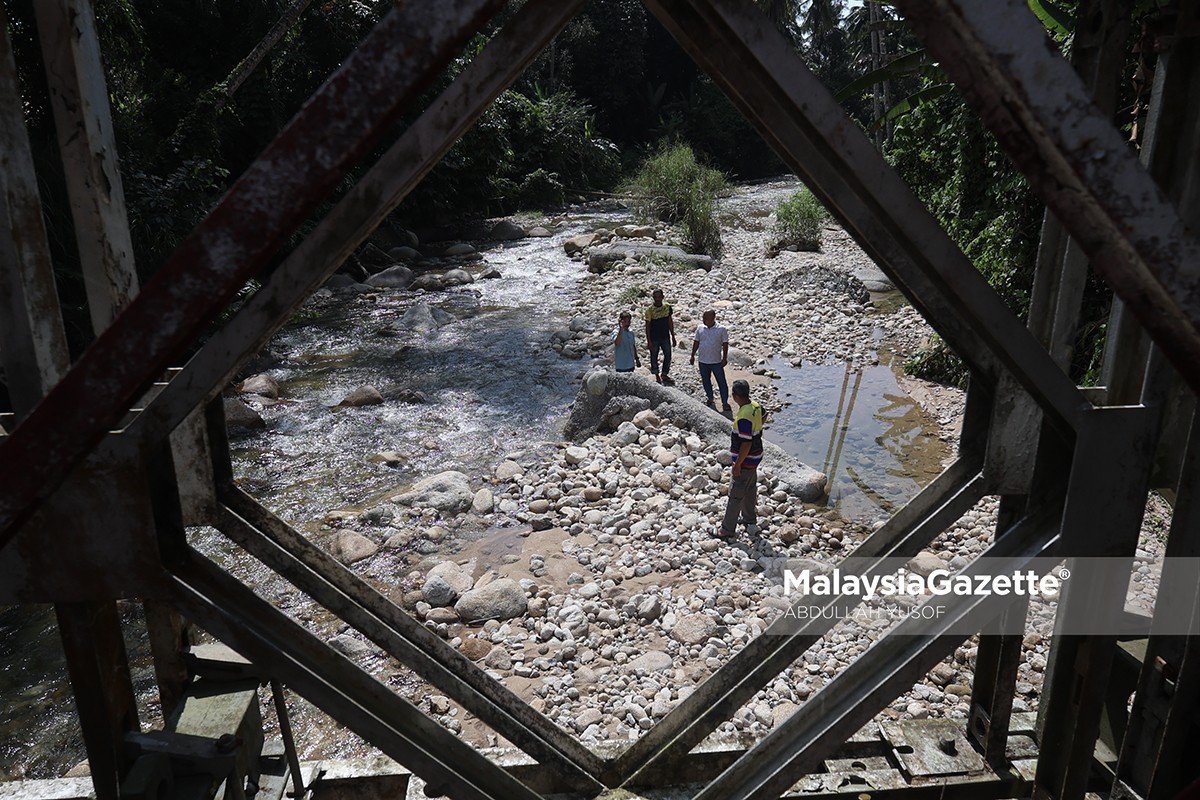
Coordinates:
x,y
581,571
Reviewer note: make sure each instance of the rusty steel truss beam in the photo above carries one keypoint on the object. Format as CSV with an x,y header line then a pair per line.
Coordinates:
x,y
333,130
1042,114
83,122
34,350
889,667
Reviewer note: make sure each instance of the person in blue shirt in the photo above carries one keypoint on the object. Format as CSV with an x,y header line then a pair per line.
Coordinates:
x,y
625,355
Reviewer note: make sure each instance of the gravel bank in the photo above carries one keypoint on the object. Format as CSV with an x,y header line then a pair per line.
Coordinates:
x,y
596,589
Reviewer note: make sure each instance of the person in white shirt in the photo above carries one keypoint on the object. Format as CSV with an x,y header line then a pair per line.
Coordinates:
x,y
711,344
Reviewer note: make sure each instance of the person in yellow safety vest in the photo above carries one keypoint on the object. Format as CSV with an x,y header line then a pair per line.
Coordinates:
x,y
745,444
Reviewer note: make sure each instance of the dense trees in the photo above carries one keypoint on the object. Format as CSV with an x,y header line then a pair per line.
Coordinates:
x,y
191,110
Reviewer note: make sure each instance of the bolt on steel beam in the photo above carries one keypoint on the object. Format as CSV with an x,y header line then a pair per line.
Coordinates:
x,y
332,131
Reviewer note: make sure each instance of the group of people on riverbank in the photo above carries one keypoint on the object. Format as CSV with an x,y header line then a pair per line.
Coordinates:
x,y
711,345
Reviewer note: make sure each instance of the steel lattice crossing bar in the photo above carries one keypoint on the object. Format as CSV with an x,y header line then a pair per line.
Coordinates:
x,y
260,632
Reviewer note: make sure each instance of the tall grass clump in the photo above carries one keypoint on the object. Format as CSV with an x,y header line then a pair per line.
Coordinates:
x,y
672,186
798,222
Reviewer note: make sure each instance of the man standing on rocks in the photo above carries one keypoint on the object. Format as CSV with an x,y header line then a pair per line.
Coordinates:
x,y
625,355
745,444
660,335
711,343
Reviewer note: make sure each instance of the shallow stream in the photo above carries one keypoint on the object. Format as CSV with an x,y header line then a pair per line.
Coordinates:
x,y
493,385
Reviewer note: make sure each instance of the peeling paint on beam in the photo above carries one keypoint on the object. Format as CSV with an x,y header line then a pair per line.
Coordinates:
x,y
333,130
1041,113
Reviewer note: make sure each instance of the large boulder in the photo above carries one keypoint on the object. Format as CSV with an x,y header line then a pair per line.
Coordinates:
x,y
457,277
620,410
635,231
262,385
501,599
448,491
602,259
627,396
362,396
456,577
404,253
423,318
397,277
437,592
483,502
506,231
241,417
349,547
694,629
458,249
429,282
577,244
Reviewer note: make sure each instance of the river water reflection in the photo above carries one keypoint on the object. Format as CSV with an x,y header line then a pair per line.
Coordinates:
x,y
861,429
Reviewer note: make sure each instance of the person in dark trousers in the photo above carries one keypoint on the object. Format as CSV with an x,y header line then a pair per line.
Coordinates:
x,y
745,443
660,335
711,343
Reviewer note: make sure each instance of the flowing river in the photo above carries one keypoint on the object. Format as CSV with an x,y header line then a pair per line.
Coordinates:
x,y
492,385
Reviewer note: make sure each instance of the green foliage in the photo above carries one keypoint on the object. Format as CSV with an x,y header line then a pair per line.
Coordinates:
x,y
540,189
632,294
673,186
798,221
956,168
523,153
938,363
163,210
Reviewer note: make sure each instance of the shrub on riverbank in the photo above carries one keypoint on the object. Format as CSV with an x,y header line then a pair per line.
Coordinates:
x,y
672,186
798,222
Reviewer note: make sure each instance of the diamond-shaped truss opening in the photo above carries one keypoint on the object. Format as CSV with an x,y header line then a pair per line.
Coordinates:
x,y
1030,436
